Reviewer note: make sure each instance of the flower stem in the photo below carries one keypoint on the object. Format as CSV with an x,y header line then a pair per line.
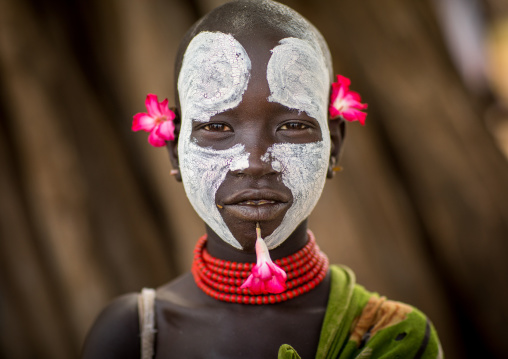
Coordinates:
x,y
258,231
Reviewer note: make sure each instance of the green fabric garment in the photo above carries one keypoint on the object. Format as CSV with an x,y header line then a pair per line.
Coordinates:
x,y
360,324
286,351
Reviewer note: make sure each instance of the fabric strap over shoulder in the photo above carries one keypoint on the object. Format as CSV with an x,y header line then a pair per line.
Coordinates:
x,y
146,310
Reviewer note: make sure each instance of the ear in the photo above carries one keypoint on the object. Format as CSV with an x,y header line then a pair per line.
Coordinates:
x,y
337,133
172,146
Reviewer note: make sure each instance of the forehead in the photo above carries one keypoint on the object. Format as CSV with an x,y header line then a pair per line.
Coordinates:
x,y
217,68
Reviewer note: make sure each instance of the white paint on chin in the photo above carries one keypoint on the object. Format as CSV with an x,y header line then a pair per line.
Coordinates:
x,y
214,76
303,169
205,169
298,78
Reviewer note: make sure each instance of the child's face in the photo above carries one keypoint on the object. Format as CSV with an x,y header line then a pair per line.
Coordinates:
x,y
254,144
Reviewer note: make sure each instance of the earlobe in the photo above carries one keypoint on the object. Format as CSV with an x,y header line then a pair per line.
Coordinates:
x,y
337,133
172,147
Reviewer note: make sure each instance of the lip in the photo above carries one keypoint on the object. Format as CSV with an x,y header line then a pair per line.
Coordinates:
x,y
257,205
257,195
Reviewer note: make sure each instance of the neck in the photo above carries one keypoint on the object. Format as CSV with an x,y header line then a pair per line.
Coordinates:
x,y
220,249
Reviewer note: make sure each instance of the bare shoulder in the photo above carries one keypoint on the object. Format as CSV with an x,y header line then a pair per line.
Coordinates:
x,y
182,292
115,333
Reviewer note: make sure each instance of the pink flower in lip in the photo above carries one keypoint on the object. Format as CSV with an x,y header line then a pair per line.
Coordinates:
x,y
158,121
266,276
346,103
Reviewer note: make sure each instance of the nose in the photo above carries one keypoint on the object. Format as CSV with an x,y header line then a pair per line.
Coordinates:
x,y
260,163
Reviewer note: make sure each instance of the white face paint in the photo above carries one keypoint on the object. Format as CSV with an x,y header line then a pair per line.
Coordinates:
x,y
299,79
214,75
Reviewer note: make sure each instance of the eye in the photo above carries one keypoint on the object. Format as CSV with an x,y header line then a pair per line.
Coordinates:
x,y
217,127
294,126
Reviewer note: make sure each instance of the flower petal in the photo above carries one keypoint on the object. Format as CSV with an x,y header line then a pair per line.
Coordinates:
x,y
258,286
255,285
334,113
142,121
155,140
152,105
277,271
275,286
263,272
165,111
355,115
166,130
344,81
248,282
355,96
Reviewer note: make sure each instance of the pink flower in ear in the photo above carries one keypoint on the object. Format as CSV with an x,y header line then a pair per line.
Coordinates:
x,y
266,276
158,121
346,103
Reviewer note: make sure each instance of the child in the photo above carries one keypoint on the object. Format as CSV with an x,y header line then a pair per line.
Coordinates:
x,y
257,137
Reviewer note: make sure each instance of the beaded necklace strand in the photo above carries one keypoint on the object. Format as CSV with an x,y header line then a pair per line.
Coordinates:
x,y
222,279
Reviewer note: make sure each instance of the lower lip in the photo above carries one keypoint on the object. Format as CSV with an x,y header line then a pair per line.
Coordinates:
x,y
264,212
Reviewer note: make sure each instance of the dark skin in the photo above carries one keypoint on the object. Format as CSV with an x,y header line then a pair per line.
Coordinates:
x,y
191,324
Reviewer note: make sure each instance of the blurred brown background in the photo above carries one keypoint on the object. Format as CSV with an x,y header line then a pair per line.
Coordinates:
x,y
88,210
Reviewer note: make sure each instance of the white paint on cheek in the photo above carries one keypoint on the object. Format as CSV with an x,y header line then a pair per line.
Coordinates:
x,y
276,165
303,168
298,78
203,171
214,75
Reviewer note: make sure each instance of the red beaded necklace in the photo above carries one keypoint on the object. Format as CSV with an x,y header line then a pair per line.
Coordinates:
x,y
222,279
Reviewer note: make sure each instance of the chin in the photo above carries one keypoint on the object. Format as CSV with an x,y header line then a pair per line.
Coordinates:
x,y
245,232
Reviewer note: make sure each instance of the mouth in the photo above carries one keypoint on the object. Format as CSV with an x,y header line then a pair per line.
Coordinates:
x,y
257,197
256,202
257,205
